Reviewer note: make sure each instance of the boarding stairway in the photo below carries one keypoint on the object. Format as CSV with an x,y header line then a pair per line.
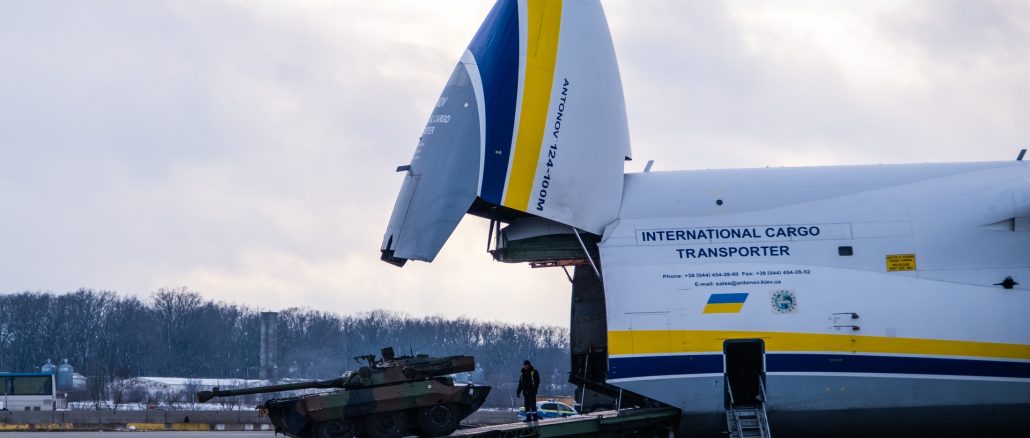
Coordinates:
x,y
747,419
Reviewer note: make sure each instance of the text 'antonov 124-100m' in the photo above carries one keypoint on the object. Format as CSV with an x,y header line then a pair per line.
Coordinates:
x,y
847,300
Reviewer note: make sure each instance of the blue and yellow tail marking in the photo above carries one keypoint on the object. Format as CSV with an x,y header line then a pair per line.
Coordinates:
x,y
496,51
725,303
514,131
542,32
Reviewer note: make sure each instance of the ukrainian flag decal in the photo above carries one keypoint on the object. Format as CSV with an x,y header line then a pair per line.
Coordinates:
x,y
725,303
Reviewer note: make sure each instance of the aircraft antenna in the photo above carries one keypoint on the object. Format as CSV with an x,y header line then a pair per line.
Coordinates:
x,y
1022,152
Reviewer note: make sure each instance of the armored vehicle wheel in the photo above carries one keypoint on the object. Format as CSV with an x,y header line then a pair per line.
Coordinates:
x,y
342,428
438,420
385,425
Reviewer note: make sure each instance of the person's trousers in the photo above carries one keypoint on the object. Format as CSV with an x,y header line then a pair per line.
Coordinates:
x,y
529,400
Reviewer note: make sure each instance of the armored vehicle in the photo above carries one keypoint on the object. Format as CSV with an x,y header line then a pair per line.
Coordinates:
x,y
389,397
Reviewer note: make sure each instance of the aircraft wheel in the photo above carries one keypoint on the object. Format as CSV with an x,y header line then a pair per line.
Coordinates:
x,y
438,420
385,425
342,428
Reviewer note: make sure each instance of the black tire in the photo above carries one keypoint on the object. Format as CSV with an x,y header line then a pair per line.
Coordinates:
x,y
386,425
342,428
438,420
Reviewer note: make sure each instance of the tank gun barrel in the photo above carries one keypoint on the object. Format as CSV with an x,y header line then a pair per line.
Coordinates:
x,y
204,396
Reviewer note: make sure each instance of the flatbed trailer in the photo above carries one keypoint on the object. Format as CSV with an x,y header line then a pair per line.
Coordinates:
x,y
636,422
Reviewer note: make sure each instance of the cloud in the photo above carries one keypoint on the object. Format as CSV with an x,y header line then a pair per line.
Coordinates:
x,y
246,149
741,84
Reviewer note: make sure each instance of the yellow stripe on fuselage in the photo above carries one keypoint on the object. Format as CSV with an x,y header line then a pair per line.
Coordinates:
x,y
708,341
723,308
542,28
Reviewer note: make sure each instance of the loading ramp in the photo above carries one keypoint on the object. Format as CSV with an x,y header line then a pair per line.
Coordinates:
x,y
635,422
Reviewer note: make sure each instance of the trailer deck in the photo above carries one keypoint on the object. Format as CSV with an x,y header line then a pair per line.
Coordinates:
x,y
643,422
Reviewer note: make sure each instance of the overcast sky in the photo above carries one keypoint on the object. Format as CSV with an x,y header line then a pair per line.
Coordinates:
x,y
246,149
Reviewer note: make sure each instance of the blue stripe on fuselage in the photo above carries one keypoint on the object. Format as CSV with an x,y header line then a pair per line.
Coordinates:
x,y
652,366
848,363
645,366
496,49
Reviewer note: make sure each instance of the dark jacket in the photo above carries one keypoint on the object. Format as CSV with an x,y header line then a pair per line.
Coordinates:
x,y
529,381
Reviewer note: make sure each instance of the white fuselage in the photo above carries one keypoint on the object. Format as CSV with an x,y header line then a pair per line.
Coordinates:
x,y
871,287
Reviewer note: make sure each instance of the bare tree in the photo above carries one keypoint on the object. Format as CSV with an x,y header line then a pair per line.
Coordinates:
x,y
190,396
96,387
118,395
173,398
137,395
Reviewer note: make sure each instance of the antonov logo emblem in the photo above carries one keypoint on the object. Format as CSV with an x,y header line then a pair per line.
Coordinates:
x,y
783,301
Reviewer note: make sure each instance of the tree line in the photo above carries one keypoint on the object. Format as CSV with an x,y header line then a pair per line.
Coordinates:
x,y
178,333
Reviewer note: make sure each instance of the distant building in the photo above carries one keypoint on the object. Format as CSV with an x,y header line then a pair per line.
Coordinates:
x,y
79,382
65,377
27,392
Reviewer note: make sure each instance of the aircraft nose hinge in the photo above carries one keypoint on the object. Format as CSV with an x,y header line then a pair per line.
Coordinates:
x,y
1007,283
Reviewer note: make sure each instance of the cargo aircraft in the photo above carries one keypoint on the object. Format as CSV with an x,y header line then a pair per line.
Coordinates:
x,y
840,300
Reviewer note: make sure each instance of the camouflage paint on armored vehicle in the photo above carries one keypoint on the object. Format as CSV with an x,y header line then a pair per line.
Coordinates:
x,y
391,397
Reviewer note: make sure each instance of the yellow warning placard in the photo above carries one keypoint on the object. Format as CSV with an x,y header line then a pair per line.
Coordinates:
x,y
901,262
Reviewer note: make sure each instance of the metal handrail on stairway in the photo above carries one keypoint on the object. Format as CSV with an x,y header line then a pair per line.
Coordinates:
x,y
732,411
764,421
760,413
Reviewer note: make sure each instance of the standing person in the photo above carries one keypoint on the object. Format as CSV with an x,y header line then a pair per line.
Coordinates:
x,y
529,381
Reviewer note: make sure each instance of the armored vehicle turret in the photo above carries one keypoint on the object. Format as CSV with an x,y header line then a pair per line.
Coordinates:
x,y
388,397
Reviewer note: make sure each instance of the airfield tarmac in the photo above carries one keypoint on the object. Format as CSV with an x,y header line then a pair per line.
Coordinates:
x,y
141,434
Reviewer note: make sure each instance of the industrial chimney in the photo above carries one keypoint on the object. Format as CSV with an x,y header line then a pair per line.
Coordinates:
x,y
269,368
